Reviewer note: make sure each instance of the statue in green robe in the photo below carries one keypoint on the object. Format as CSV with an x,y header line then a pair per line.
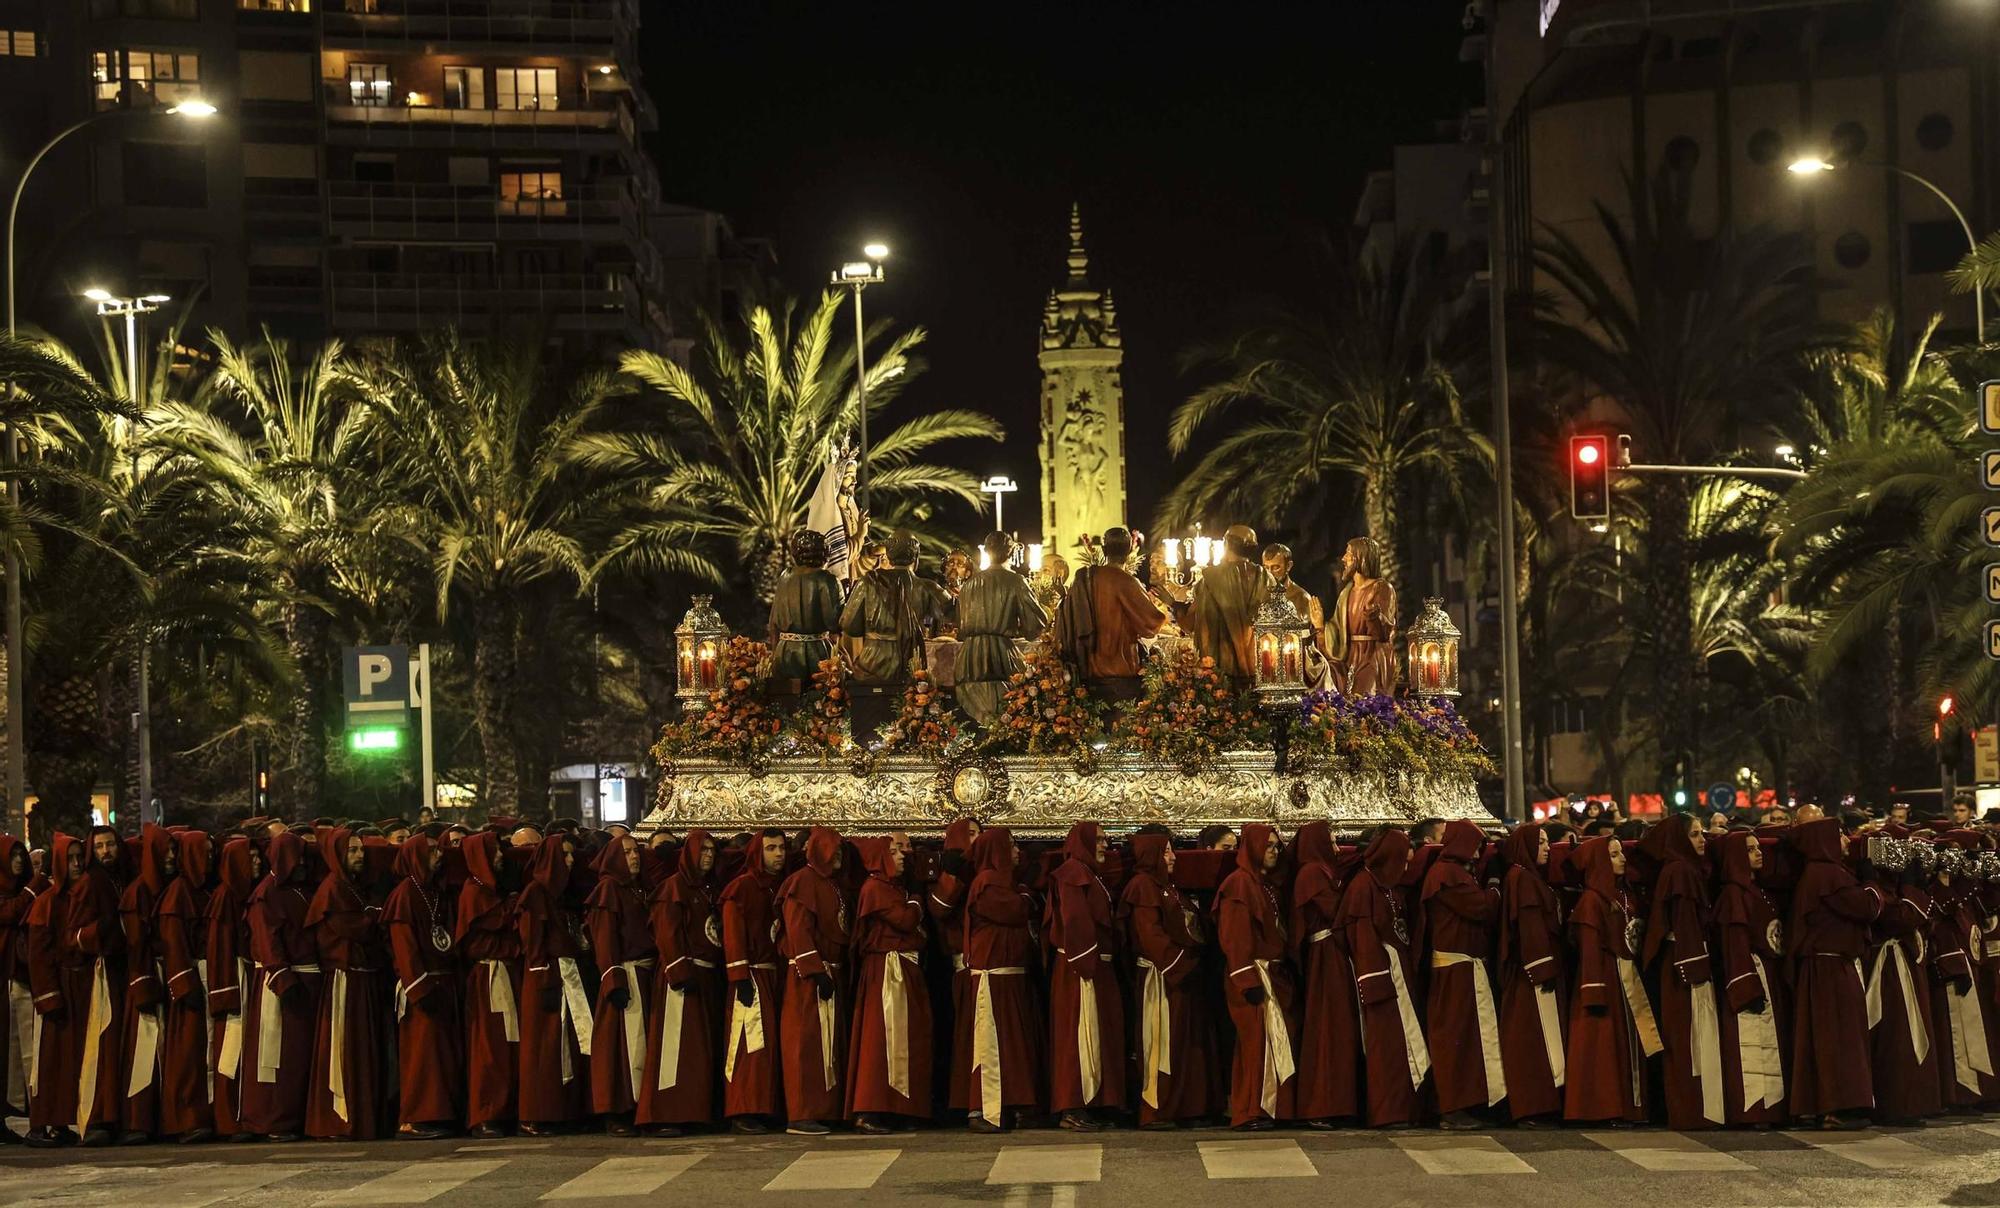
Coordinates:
x,y
889,613
1224,606
995,606
805,612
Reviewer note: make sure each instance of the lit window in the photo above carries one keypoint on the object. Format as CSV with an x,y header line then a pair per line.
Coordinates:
x,y
524,87
464,88
162,77
611,806
368,83
532,192
19,43
276,6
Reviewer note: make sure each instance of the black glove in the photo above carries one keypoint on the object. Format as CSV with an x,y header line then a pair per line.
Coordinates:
x,y
618,998
1597,1012
745,993
1864,869
825,985
294,992
431,1004
953,862
1254,996
1758,1007
551,999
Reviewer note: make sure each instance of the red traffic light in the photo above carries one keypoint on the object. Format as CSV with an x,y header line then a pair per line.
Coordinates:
x,y
1589,482
1588,453
1945,706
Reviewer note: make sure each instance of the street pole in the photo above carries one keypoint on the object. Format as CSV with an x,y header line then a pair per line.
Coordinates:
x,y
420,690
1514,757
861,388
145,643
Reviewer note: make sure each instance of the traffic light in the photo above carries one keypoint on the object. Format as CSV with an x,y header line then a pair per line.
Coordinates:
x,y
1945,707
1590,477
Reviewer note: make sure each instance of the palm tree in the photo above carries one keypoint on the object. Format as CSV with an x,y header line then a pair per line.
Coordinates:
x,y
730,463
481,439
1312,408
1687,336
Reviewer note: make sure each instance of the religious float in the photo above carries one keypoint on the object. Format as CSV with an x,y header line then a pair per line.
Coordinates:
x,y
1191,751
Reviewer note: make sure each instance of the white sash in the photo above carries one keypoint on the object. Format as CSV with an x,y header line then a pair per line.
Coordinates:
x,y
1641,1008
229,1059
1279,1065
1550,1014
1757,1050
1156,1023
35,1070
145,1063
746,1024
1089,1050
986,1041
500,998
828,1011
1920,1037
207,1030
336,1061
1705,1038
1489,1021
1415,1051
673,1013
95,1024
896,1020
1969,1056
571,1006
634,1014
22,1034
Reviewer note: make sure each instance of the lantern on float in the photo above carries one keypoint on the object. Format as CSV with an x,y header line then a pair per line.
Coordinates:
x,y
1433,652
1278,640
698,643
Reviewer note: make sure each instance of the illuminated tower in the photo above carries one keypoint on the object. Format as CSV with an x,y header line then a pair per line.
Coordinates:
x,y
1083,408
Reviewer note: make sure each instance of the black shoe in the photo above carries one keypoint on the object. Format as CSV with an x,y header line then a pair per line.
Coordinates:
x,y
1260,1124
619,1127
534,1130
421,1132
96,1138
661,1130
281,1138
1535,1122
1322,1125
749,1126
488,1132
1460,1121
807,1128
134,1137
1077,1121
243,1138
980,1124
195,1136
49,1137
1159,1126
871,1125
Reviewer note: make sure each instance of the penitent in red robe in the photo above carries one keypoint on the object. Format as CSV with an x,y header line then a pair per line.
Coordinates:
x,y
1831,911
1086,1010
1907,1047
347,1100
812,1023
1001,1034
490,949
1264,1079
1378,941
1531,980
1754,1023
1611,1028
53,1081
554,1008
94,951
232,989
944,902
684,1030
1172,1045
430,1028
1462,1016
751,1085
16,899
889,1052
1330,1040
141,1024
621,939
278,1041
1677,948
180,924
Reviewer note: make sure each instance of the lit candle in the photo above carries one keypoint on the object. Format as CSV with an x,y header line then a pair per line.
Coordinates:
x,y
1268,657
687,664
1171,552
708,664
1034,557
1292,659
1201,548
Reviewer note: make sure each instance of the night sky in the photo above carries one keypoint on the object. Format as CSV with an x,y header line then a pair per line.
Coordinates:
x,y
1210,146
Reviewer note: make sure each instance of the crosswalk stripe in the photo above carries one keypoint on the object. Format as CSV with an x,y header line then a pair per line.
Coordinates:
x,y
1874,1151
855,1170
1047,1164
1666,1151
416,1183
1460,1155
168,1187
1262,1159
615,1177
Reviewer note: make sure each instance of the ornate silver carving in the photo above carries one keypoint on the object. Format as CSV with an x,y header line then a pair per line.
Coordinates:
x,y
1040,796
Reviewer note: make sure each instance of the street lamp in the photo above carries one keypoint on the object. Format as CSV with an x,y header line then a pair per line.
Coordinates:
x,y
17,739
1813,165
858,275
998,486
110,306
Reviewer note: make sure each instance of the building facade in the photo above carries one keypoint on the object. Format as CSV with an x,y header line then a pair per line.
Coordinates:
x,y
1083,409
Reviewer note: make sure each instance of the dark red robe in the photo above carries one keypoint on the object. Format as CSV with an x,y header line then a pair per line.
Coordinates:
x,y
1532,971
1907,1050
554,1001
1330,1020
1677,949
1378,941
95,959
430,1028
232,988
347,1098
1750,941
944,901
1080,925
1173,1050
142,1030
889,1050
489,948
279,1041
1262,1003
180,923
814,944
1612,1032
57,1031
1964,1057
1831,912
621,940
1002,1038
751,1085
684,1029
16,898
1462,1015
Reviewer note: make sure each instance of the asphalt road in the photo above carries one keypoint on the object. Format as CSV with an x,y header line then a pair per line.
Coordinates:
x,y
1956,1163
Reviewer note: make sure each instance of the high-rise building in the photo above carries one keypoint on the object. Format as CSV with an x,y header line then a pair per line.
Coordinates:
x,y
376,166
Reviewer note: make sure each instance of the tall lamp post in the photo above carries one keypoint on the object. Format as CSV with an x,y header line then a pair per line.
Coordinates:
x,y
110,306
858,275
998,486
1813,165
17,768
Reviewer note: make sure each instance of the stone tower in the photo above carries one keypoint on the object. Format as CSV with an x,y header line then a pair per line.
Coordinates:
x,y
1083,408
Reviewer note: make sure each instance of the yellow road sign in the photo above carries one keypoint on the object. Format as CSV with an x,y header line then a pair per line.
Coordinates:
x,y
1989,406
1993,639
1993,582
1989,469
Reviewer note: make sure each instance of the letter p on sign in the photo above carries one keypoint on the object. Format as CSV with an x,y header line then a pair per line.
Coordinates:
x,y
377,683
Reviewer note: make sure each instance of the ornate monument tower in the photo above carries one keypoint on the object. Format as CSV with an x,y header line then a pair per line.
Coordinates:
x,y
1083,408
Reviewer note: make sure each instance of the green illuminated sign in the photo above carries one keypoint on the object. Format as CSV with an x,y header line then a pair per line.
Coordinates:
x,y
369,739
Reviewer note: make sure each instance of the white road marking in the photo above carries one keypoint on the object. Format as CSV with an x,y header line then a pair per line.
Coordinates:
x,y
817,1171
1875,1151
1047,1164
1276,1158
616,1177
191,1186
505,1146
1467,1154
416,1183
1666,1151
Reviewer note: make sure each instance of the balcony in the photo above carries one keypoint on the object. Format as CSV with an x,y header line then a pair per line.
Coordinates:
x,y
428,124
552,26
418,211
560,302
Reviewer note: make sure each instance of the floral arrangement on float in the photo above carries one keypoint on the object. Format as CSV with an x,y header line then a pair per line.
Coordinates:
x,y
1189,715
1378,735
825,710
925,726
1045,711
737,724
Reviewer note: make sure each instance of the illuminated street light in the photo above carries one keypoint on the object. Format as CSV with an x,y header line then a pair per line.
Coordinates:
x,y
1813,165
998,486
858,275
876,251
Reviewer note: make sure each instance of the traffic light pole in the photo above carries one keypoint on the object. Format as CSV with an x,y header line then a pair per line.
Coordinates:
x,y
1513,762
1737,471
